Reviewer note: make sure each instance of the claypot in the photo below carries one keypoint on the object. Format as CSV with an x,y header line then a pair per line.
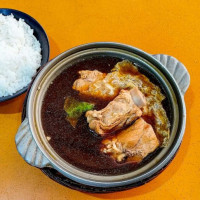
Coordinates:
x,y
33,146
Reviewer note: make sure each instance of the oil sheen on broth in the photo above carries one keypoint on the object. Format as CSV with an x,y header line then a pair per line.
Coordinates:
x,y
80,146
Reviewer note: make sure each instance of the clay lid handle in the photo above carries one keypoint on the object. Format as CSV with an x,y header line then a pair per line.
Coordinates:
x,y
28,148
177,70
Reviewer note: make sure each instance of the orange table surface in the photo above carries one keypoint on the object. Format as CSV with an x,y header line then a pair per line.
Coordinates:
x,y
171,27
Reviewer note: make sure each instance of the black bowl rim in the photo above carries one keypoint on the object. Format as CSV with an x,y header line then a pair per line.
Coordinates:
x,y
24,89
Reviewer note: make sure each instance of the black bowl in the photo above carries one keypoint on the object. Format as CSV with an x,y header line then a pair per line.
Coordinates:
x,y
39,33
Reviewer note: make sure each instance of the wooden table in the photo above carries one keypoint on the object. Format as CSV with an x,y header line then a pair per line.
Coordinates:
x,y
171,27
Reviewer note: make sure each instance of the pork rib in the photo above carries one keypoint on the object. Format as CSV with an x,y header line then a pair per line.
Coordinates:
x,y
121,111
133,143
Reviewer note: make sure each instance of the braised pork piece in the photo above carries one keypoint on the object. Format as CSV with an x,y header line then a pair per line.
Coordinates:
x,y
112,98
87,79
105,86
121,111
133,143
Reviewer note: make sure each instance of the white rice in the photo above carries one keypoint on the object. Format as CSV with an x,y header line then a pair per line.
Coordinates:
x,y
20,55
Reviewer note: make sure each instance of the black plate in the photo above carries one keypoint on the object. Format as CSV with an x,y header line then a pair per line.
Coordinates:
x,y
61,179
39,33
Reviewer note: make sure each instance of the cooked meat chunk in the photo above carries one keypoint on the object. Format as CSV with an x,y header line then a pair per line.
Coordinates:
x,y
101,85
119,112
87,78
133,143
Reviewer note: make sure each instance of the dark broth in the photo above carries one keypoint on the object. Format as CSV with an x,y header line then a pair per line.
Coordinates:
x,y
79,146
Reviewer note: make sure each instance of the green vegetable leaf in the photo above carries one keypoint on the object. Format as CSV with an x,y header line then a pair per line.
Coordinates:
x,y
75,109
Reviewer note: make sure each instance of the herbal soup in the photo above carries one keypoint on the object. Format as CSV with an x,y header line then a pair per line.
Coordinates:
x,y
104,116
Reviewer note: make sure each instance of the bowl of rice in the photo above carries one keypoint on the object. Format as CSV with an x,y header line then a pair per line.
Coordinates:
x,y
24,48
